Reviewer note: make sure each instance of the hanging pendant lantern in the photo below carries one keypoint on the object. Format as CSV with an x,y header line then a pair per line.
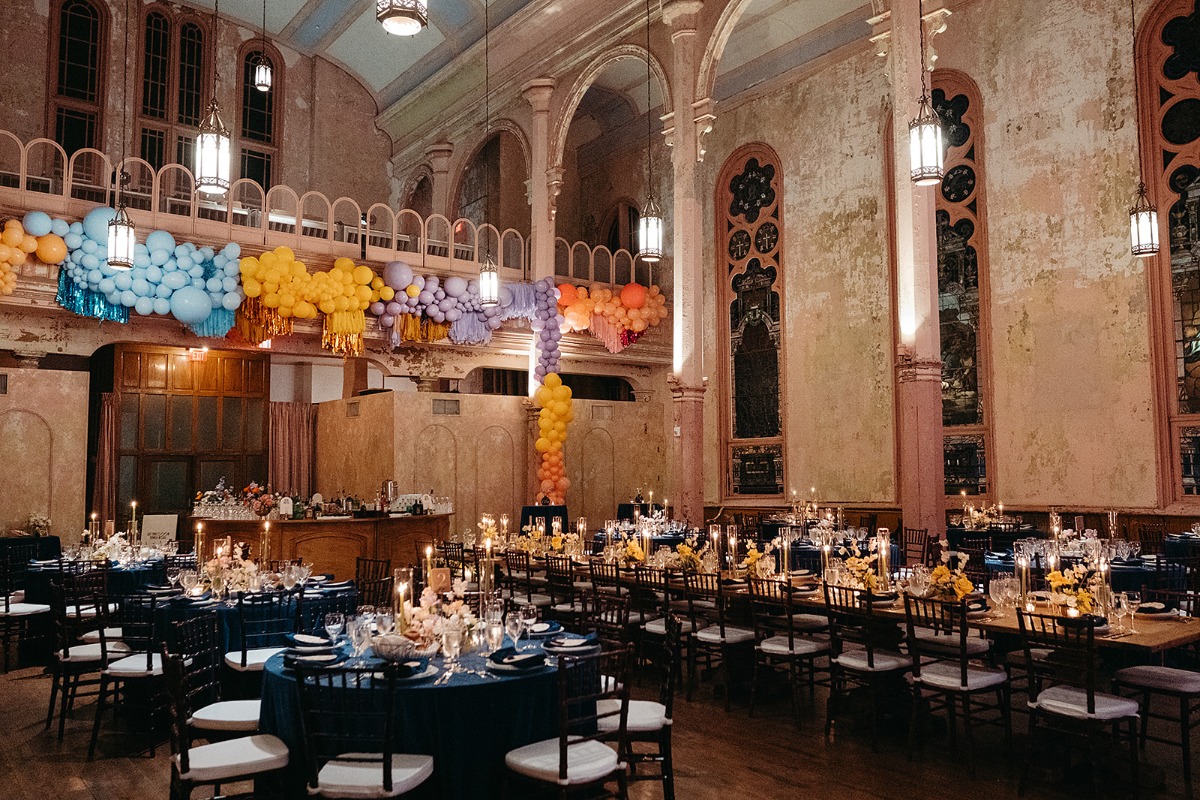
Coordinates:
x,y
650,233
926,152
212,153
489,283
402,17
262,73
122,239
1143,225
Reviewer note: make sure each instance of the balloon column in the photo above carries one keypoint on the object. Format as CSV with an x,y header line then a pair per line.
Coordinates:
x,y
35,236
279,289
616,318
196,285
554,400
547,325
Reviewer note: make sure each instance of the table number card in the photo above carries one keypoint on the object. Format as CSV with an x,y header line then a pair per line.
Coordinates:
x,y
439,579
158,529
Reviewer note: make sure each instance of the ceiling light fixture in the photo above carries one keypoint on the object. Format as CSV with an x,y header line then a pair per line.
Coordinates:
x,y
122,237
262,65
1143,216
650,224
925,151
402,17
489,274
212,141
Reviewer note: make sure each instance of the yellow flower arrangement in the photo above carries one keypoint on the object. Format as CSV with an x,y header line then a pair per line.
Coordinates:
x,y
861,570
1068,587
556,543
689,559
633,552
945,582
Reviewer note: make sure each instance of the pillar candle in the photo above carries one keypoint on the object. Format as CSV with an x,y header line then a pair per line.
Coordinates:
x,y
198,545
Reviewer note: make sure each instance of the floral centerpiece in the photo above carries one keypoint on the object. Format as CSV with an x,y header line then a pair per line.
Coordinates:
x,y
1071,587
687,558
110,549
434,612
259,500
860,570
754,563
38,525
632,553
238,572
215,496
979,519
949,578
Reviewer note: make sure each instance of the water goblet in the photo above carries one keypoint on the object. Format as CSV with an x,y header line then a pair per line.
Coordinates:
x,y
1134,601
452,638
188,580
288,578
529,616
385,622
1135,549
1120,609
495,636
512,626
218,585
335,621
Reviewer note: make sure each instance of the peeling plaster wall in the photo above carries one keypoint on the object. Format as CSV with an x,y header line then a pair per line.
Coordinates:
x,y
1070,320
45,454
838,392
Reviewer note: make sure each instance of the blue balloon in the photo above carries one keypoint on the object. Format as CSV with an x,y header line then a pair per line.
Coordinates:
x,y
113,298
141,287
144,306
154,274
219,261
215,298
107,285
128,299
162,306
90,262
174,280
231,301
196,272
95,224
123,281
37,223
141,260
94,275
184,262
233,250
160,240
215,285
77,228
206,254
106,270
182,250
163,290
73,240
60,227
198,283
232,269
190,305
89,246
229,284
158,257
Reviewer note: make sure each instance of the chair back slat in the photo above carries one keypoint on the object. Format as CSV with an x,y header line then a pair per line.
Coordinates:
x,y
852,620
1073,659
606,578
139,625
946,624
375,592
197,640
371,569
265,619
584,682
771,603
607,615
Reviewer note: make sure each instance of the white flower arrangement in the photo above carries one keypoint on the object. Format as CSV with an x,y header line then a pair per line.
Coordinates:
x,y
38,525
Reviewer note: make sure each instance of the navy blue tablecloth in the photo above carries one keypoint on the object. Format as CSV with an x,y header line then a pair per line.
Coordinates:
x,y
467,724
1125,577
531,513
1181,546
122,580
47,546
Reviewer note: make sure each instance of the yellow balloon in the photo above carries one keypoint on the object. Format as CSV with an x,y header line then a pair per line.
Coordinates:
x,y
562,393
412,290
285,311
248,265
341,303
251,287
363,275
285,253
343,264
286,301
543,395
13,236
270,300
552,380
377,283
327,306
542,445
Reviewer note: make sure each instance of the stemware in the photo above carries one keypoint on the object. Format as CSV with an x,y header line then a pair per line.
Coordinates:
x,y
512,625
1135,549
452,639
495,636
1134,601
529,617
385,621
289,577
1120,609
218,585
359,629
188,578
335,621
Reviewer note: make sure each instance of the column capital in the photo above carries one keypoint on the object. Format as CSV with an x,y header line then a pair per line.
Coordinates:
x,y
439,154
912,370
684,392
554,184
538,92
681,14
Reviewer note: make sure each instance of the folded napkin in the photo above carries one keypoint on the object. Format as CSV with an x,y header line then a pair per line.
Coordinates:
x,y
1082,621
548,628
406,669
308,639
1154,608
318,659
509,658
977,604
570,641
1000,554
190,601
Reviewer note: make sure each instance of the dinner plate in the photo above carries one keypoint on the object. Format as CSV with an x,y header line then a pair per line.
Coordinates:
x,y
1153,612
511,669
429,671
539,629
308,640
568,643
315,658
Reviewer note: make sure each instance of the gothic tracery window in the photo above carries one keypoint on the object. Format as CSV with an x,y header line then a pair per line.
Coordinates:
x,y
749,245
78,97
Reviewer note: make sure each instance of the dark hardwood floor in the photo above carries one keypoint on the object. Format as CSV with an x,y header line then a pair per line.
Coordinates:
x,y
718,756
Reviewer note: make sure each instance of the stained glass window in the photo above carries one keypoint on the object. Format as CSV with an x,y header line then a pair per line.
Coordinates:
x,y
962,276
749,195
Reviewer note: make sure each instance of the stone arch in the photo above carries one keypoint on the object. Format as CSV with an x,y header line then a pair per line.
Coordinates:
x,y
503,125
706,77
585,80
420,172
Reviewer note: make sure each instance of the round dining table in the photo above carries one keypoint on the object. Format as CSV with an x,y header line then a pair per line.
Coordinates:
x,y
467,724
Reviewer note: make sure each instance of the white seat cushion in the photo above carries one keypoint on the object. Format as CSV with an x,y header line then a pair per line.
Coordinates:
x,y
949,643
1169,679
712,635
110,634
88,611
884,662
658,627
539,600
91,652
582,586
227,715
586,761
362,779
23,609
779,646
248,755
135,666
643,716
255,659
1071,701
569,608
810,622
946,675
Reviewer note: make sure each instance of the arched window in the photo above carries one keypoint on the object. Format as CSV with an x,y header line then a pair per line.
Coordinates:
x,y
1170,124
260,137
622,226
963,285
79,86
749,244
173,69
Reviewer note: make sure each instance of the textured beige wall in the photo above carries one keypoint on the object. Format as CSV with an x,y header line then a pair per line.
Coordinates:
x,y
484,457
838,392
43,438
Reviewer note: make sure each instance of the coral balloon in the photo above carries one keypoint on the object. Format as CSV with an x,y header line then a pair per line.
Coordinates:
x,y
633,295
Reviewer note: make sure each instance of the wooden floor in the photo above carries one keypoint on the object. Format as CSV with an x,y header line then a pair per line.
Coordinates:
x,y
718,756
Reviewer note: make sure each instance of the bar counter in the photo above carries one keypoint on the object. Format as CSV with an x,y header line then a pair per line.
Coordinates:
x,y
332,544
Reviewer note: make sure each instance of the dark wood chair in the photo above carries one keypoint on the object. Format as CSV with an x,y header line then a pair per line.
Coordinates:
x,y
567,600
1064,693
143,665
607,615
1150,534
916,545
606,578
197,640
864,652
264,619
945,676
376,592
372,569
15,618
712,637
522,589
782,645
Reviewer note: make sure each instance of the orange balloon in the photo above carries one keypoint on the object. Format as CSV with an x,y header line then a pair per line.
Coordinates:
x,y
51,249
567,294
633,295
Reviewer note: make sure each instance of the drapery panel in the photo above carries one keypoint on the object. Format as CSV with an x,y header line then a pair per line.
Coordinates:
x,y
293,447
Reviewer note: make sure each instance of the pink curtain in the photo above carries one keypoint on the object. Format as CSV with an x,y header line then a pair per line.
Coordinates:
x,y
293,447
104,482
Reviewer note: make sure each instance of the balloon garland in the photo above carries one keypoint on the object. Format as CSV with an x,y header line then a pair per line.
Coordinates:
x,y
36,236
554,400
618,319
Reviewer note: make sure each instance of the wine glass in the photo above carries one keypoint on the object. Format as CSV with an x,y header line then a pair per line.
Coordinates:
x,y
512,625
997,591
360,636
173,576
218,585
385,622
288,577
188,578
495,635
1120,609
529,616
1135,550
335,621
1134,601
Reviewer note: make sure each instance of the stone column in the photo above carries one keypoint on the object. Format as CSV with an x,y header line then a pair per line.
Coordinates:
x,y
541,183
533,459
919,362
354,376
439,162
688,382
